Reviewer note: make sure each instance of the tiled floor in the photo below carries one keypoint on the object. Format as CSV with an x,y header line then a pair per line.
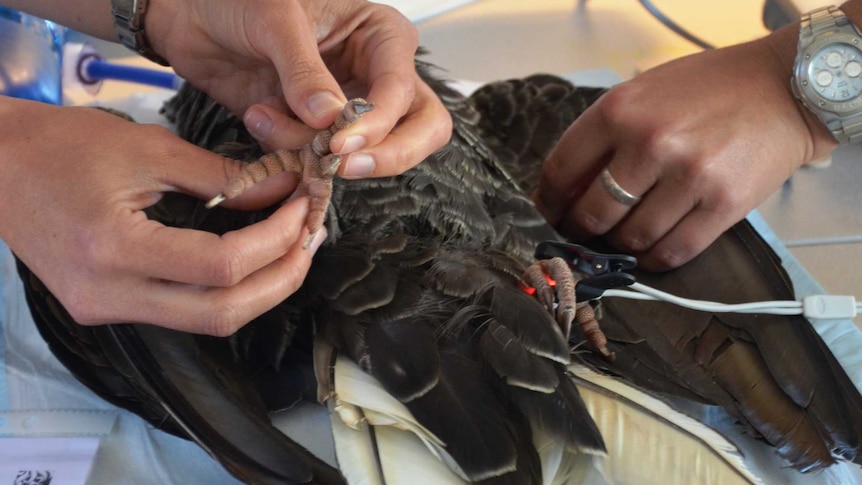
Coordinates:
x,y
817,215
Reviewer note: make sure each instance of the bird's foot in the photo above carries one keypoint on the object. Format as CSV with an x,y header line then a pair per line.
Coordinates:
x,y
315,163
555,283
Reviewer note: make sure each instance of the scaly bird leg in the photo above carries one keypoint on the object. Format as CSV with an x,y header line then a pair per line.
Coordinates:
x,y
315,163
562,293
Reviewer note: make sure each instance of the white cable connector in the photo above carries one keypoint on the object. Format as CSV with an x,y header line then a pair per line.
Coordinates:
x,y
829,306
819,307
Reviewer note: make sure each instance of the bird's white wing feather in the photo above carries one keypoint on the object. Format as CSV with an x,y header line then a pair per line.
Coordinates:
x,y
379,441
649,442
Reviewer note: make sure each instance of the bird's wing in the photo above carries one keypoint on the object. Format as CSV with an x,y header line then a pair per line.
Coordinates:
x,y
383,443
520,120
772,372
183,384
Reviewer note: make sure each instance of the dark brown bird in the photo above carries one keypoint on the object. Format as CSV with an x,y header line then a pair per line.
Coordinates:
x,y
420,285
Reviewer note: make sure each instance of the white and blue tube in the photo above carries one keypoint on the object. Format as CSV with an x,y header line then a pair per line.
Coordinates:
x,y
92,69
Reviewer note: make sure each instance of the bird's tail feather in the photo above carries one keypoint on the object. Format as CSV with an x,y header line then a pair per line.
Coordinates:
x,y
385,444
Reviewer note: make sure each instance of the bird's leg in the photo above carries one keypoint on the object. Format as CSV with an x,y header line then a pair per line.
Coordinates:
x,y
315,163
316,183
586,318
555,283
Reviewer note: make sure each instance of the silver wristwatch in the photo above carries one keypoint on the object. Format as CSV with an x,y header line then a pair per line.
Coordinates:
x,y
827,76
129,24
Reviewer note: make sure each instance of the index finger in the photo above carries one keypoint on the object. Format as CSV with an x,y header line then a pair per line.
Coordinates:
x,y
222,311
427,127
388,69
575,161
202,258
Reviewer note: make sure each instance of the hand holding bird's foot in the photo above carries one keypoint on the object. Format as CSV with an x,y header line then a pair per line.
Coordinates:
x,y
315,163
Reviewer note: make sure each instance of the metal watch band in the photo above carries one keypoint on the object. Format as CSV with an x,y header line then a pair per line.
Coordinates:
x,y
850,131
129,25
822,20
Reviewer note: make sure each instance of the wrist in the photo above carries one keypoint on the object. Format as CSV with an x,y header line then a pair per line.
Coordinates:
x,y
853,11
826,78
136,26
160,17
783,45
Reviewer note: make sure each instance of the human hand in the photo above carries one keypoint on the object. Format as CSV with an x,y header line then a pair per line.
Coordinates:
x,y
703,139
272,59
73,213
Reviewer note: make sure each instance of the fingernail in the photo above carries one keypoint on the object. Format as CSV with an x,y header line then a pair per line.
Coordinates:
x,y
353,143
358,165
323,103
319,238
258,123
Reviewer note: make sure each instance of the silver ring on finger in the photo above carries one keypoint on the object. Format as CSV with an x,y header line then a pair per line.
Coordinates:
x,y
619,194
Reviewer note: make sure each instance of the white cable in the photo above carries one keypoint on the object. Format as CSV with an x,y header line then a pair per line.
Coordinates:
x,y
710,305
814,306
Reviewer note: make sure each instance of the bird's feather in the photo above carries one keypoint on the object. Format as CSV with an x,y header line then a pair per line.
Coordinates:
x,y
642,427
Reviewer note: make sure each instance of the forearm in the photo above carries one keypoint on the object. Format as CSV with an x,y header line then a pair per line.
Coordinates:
x,y
18,150
92,17
853,9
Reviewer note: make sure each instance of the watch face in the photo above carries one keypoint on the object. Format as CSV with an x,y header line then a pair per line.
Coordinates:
x,y
835,72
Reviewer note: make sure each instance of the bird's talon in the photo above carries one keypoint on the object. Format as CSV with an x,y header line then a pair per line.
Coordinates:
x,y
361,106
308,240
607,354
565,318
330,164
215,201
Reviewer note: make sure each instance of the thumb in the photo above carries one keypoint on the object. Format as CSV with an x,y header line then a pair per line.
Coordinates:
x,y
309,88
203,174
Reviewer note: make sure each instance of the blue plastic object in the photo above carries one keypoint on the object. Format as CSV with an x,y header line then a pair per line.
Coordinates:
x,y
93,69
30,57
